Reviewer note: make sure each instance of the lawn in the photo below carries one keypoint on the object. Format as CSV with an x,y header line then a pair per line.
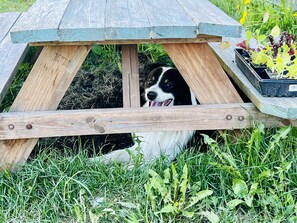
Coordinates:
x,y
251,178
15,5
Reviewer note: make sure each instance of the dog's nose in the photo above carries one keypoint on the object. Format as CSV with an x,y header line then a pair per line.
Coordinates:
x,y
152,95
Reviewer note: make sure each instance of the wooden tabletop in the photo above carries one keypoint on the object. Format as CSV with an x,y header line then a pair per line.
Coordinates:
x,y
101,20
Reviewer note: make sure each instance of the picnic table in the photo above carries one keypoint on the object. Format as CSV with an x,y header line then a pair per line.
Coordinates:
x,y
67,29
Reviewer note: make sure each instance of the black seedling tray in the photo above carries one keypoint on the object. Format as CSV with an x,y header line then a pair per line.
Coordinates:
x,y
261,81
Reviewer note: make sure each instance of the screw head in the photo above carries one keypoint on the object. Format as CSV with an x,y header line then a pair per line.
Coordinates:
x,y
240,118
29,126
229,117
11,126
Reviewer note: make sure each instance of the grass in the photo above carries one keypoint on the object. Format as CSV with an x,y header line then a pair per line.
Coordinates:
x,y
249,179
15,5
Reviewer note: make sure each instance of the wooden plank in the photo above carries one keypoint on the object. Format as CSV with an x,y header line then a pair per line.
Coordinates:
x,y
43,90
84,19
199,39
203,73
6,22
75,20
131,89
280,107
210,19
126,20
169,19
121,120
40,22
11,55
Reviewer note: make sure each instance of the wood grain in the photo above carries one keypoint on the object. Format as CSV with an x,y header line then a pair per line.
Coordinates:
x,y
11,55
280,107
168,18
126,20
98,20
41,22
84,18
203,73
6,22
210,19
131,89
199,39
124,120
43,90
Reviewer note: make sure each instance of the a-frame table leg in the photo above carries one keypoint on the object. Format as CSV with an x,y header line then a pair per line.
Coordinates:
x,y
203,73
43,90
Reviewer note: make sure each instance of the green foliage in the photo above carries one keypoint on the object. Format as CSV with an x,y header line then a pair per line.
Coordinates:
x,y
261,14
15,5
168,196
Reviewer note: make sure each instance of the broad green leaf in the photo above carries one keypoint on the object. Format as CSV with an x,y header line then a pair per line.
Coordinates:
x,y
212,217
128,205
183,185
249,201
261,38
188,214
169,208
198,197
167,176
275,32
253,189
175,182
266,17
266,173
249,35
240,188
233,203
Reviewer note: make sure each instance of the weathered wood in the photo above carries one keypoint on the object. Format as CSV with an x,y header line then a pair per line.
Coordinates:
x,y
121,120
168,18
43,90
91,20
210,19
199,39
84,18
41,22
131,90
6,22
11,55
203,73
126,20
280,107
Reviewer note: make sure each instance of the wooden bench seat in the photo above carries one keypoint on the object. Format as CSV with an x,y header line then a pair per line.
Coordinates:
x,y
280,107
11,54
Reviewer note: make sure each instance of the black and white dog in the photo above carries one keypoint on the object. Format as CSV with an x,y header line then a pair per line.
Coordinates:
x,y
164,86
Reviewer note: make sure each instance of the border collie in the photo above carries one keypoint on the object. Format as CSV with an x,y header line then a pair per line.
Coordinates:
x,y
164,86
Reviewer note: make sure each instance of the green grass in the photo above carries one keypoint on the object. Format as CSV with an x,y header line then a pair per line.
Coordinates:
x,y
249,179
281,15
60,186
15,5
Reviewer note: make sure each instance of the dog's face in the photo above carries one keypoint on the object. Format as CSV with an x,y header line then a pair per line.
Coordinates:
x,y
164,86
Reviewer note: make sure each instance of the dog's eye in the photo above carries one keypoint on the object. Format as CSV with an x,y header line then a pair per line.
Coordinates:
x,y
168,86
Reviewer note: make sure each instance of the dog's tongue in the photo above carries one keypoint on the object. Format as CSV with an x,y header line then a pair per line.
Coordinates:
x,y
159,104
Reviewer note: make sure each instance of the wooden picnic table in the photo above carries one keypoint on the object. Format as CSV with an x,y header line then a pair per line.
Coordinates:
x,y
68,28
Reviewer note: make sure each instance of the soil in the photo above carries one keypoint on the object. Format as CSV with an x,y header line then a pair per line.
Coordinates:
x,y
98,85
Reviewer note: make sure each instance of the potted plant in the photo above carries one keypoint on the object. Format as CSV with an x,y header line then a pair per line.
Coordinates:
x,y
271,64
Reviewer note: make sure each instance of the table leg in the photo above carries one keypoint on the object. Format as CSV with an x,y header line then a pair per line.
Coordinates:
x,y
44,88
131,92
203,73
